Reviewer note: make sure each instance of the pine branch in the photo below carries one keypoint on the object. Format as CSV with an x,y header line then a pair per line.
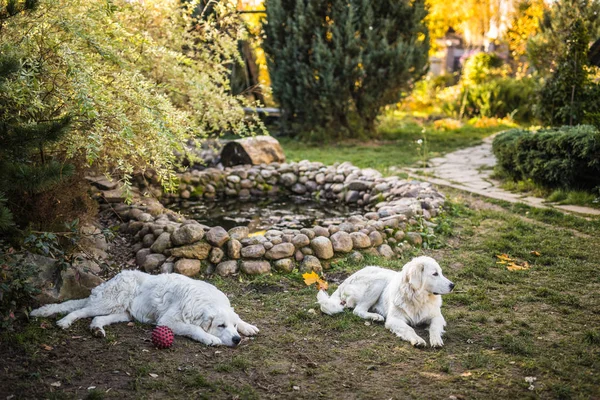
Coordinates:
x,y
32,178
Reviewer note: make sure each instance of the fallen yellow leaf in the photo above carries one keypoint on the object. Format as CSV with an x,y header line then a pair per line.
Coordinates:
x,y
312,277
504,257
536,253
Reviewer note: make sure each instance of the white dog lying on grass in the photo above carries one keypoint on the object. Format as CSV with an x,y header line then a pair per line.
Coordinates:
x,y
409,297
189,307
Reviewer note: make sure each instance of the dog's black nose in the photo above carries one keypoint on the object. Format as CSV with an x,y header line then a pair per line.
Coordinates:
x,y
451,285
236,340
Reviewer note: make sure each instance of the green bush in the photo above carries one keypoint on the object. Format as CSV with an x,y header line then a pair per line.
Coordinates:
x,y
481,67
498,98
16,289
566,157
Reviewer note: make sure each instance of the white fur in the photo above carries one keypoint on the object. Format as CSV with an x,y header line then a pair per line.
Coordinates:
x,y
409,297
189,307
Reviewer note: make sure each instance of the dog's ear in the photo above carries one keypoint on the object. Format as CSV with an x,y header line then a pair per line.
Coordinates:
x,y
415,275
206,321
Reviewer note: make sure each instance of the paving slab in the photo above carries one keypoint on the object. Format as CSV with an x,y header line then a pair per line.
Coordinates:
x,y
470,170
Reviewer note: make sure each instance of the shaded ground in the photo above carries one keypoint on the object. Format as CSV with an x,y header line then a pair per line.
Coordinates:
x,y
502,327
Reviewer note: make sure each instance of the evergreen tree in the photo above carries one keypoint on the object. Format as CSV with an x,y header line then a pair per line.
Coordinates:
x,y
545,49
565,97
335,64
25,169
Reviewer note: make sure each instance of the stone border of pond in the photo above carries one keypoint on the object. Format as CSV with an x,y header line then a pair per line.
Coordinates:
x,y
395,213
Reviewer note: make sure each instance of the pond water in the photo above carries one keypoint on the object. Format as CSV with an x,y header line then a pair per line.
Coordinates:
x,y
279,213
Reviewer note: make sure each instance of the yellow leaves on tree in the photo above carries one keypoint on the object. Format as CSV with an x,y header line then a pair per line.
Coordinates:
x,y
513,264
311,278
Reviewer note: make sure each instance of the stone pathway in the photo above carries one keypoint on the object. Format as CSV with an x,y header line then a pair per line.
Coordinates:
x,y
470,169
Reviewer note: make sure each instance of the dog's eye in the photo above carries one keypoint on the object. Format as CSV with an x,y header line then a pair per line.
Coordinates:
x,y
436,274
222,326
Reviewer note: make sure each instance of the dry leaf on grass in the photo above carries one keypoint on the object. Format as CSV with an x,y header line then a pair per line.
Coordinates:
x,y
312,277
511,263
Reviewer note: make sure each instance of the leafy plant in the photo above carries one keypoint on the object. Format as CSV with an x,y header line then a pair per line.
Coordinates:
x,y
16,289
138,78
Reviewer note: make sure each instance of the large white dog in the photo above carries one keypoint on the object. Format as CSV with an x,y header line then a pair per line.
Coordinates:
x,y
189,307
409,297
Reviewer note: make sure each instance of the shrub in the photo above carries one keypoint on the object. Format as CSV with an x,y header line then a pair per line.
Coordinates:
x,y
482,67
498,98
139,78
567,157
16,289
335,64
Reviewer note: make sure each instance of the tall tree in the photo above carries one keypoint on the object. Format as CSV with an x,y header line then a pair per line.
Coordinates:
x,y
335,64
545,49
566,94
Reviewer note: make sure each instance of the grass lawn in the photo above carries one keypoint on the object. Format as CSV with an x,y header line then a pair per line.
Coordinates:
x,y
396,146
503,327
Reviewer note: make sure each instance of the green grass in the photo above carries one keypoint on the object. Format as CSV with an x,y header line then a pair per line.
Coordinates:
x,y
503,326
396,144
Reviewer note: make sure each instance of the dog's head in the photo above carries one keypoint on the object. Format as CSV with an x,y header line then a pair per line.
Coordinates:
x,y
424,273
222,324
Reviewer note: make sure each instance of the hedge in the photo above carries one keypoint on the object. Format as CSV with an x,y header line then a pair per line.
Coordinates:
x,y
566,157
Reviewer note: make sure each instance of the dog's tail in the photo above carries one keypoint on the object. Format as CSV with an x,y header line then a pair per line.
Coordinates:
x,y
330,305
59,308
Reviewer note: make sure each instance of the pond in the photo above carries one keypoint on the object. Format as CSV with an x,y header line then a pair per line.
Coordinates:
x,y
281,213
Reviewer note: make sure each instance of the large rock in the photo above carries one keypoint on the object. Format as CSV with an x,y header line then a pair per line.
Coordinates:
x,y
234,248
161,243
140,256
256,267
187,267
300,240
198,251
342,242
253,251
360,240
187,234
376,238
238,232
153,262
280,251
217,236
386,251
288,179
93,241
414,238
77,284
322,247
227,268
252,150
216,255
284,265
311,263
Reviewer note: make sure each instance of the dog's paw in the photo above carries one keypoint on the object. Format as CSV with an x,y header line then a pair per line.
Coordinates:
x,y
248,329
436,341
417,341
38,312
213,341
98,331
376,317
63,323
